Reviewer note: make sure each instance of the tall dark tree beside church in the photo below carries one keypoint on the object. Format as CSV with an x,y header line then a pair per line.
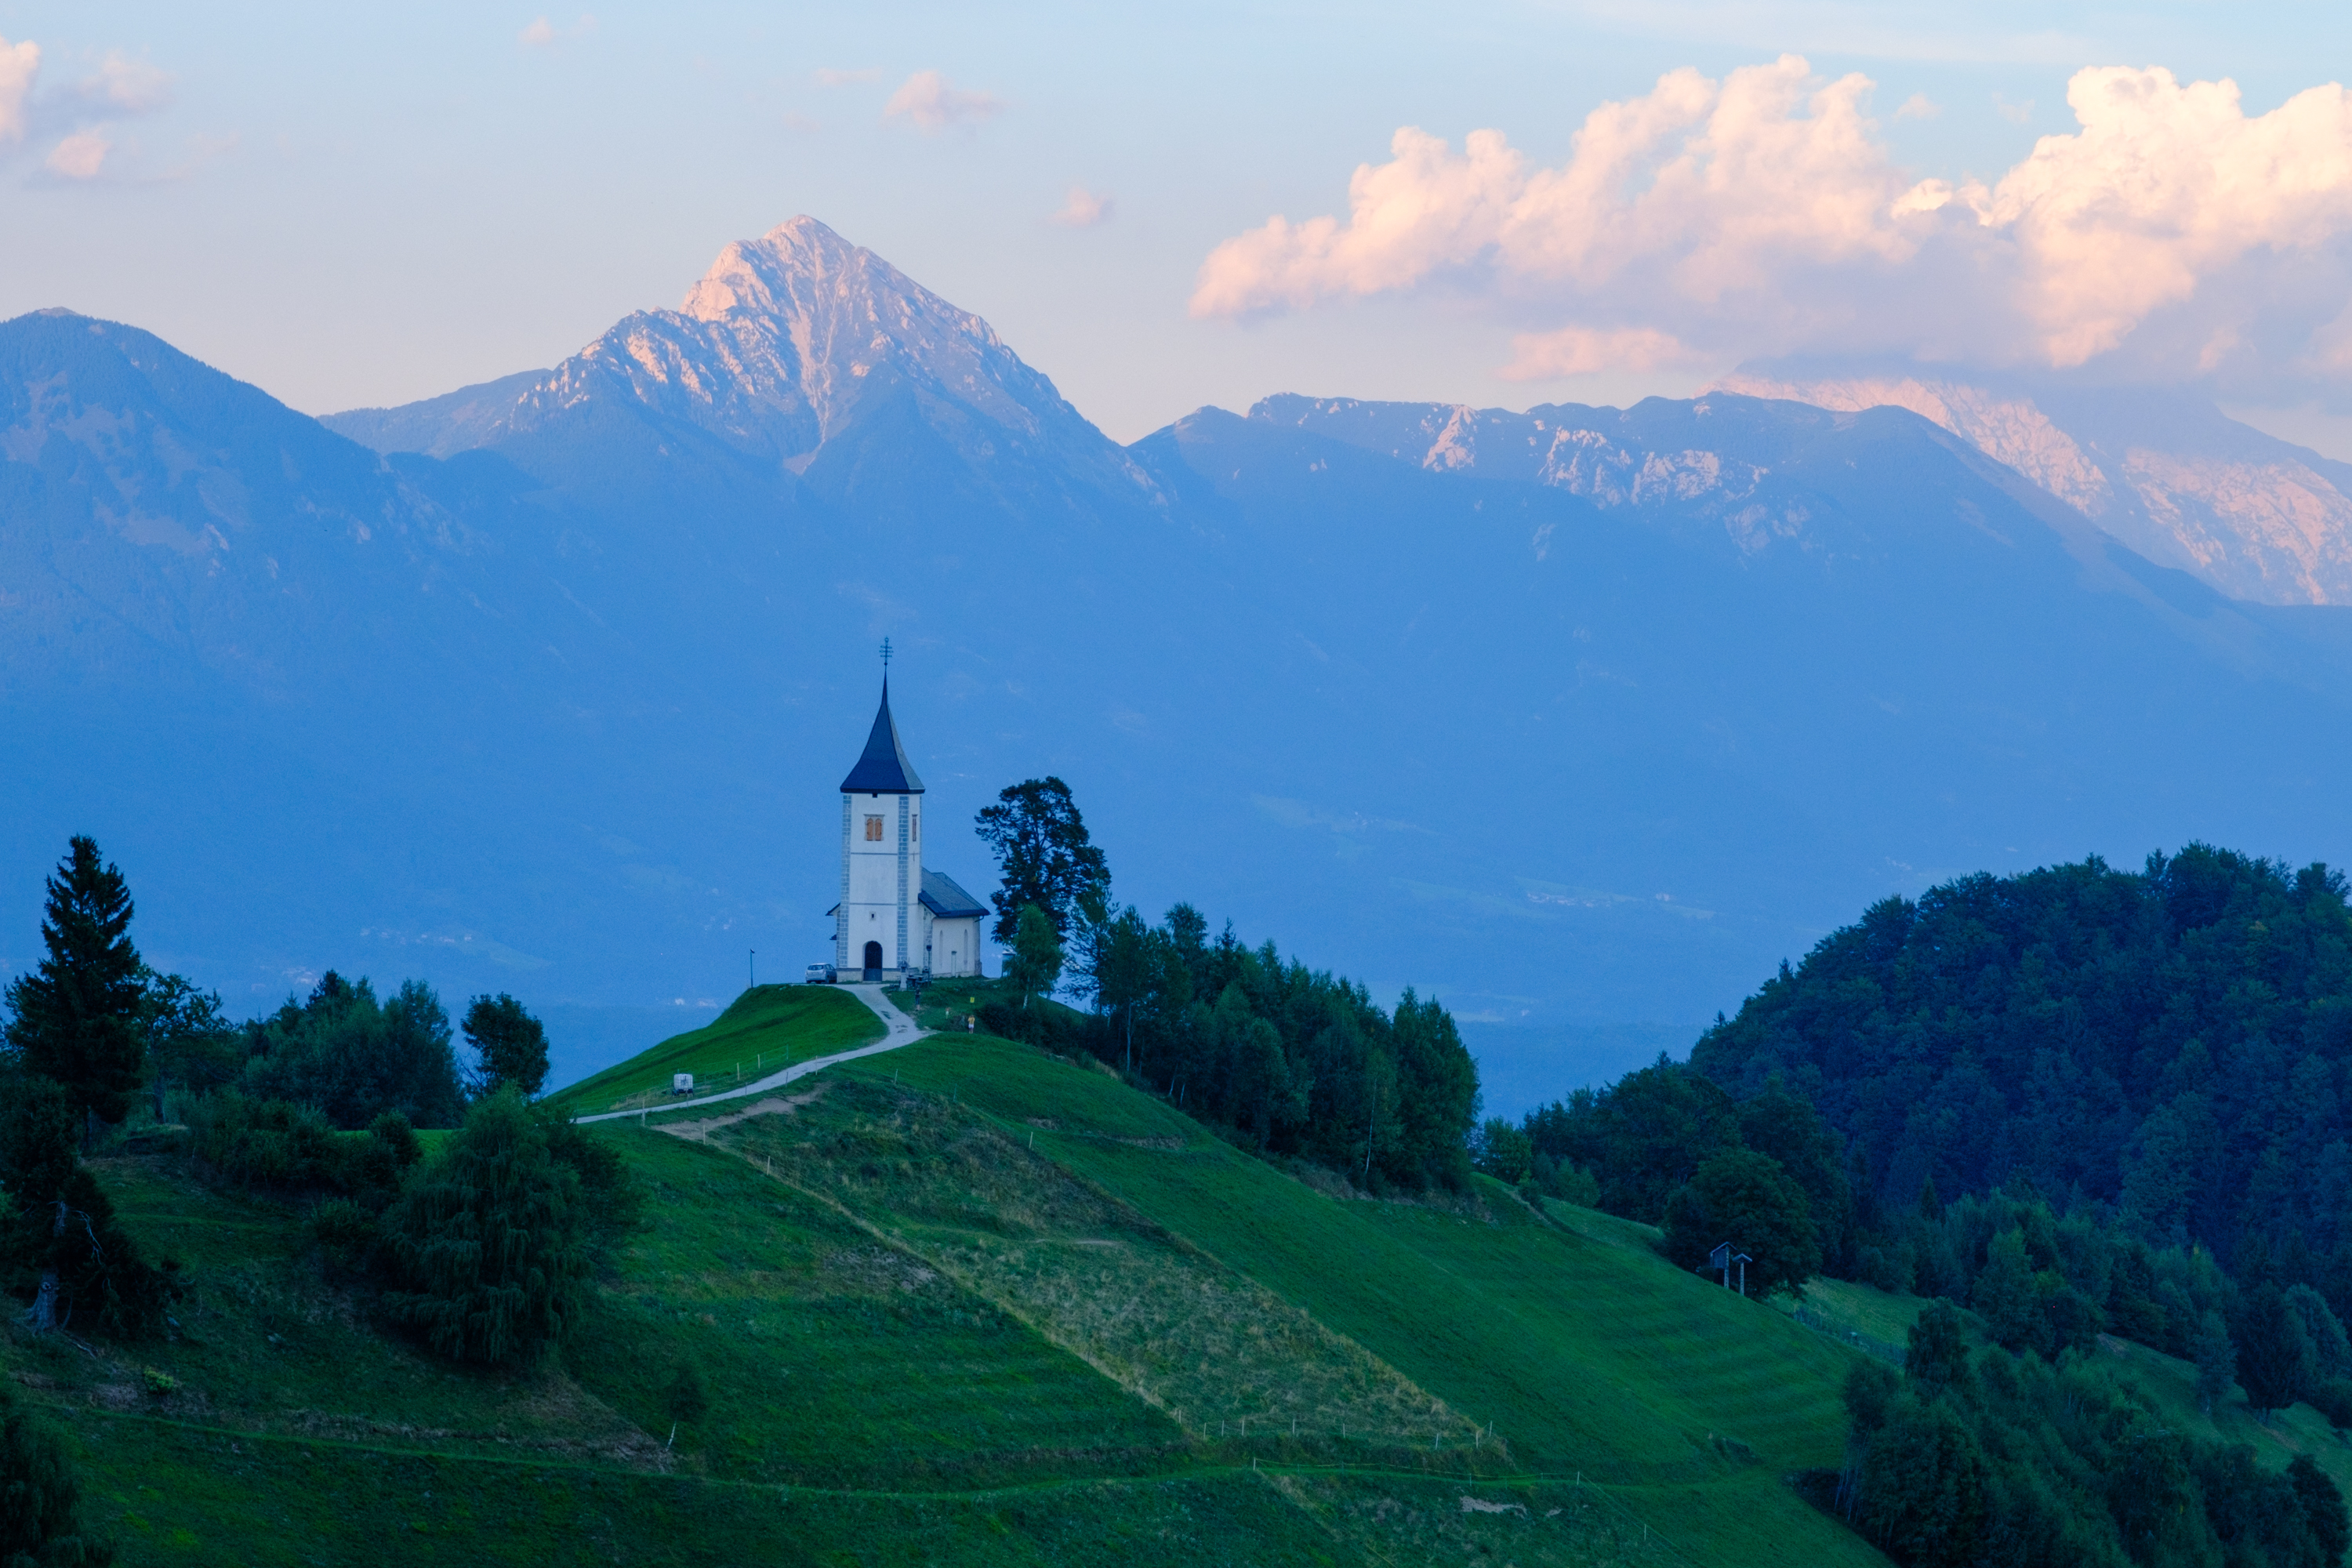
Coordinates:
x,y
509,1044
1043,858
77,1019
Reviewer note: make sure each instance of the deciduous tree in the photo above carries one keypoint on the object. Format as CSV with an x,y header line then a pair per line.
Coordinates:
x,y
1043,858
1036,962
510,1046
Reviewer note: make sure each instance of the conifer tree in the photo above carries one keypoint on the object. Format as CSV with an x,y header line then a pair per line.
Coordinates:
x,y
77,1019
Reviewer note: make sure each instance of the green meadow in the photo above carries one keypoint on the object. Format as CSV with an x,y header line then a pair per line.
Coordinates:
x,y
968,1302
767,1027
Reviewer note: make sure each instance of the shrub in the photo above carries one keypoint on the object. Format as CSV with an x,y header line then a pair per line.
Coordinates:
x,y
611,1203
484,1245
345,1231
684,1398
278,1146
1502,1151
268,1143
40,1499
354,1059
1747,1199
59,1246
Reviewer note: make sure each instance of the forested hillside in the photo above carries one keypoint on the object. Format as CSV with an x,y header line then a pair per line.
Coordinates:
x,y
2172,1041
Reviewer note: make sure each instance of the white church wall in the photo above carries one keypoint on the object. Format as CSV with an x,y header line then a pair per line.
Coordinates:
x,y
877,911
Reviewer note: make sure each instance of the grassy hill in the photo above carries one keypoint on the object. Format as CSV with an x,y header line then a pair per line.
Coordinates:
x,y
766,1027
967,1303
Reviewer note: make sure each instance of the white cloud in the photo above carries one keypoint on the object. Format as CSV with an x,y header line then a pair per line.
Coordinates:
x,y
827,76
127,85
1764,214
80,156
2015,113
1918,107
928,99
1082,209
19,64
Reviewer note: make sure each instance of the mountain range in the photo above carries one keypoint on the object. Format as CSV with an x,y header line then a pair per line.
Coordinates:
x,y
1581,717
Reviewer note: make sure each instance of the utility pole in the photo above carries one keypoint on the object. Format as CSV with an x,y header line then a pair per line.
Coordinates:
x,y
752,970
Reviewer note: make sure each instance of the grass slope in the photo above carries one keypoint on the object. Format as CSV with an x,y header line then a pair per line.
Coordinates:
x,y
767,1027
967,1302
1578,1354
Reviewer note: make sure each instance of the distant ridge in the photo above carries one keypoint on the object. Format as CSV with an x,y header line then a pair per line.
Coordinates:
x,y
454,422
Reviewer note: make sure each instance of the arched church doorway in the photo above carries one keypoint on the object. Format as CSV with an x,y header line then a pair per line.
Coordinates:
x,y
872,961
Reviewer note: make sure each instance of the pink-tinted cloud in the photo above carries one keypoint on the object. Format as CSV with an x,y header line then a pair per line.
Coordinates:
x,y
928,99
125,86
543,34
80,156
1585,350
1763,213
19,64
1081,208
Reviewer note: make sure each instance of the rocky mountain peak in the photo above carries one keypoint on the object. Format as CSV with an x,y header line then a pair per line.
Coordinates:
x,y
2165,472
777,352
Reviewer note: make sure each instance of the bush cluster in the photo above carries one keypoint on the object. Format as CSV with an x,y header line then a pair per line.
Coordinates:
x,y
2005,1458
276,1145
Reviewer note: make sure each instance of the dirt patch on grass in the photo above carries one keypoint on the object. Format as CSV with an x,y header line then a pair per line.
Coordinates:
x,y
701,1129
1223,1356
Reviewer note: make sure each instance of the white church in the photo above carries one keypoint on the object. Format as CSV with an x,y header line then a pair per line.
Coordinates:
x,y
894,918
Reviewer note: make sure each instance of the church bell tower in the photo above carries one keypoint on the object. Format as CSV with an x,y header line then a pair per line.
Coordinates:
x,y
878,926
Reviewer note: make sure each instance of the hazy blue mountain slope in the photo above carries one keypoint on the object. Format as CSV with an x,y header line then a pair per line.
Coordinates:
x,y
1659,739
438,427
2161,469
1589,737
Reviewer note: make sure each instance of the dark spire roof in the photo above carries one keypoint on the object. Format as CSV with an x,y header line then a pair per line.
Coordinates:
x,y
884,769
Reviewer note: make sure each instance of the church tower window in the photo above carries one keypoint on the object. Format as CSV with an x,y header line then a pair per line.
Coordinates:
x,y
873,830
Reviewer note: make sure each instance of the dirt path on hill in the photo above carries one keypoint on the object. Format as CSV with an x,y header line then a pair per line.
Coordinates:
x,y
902,1031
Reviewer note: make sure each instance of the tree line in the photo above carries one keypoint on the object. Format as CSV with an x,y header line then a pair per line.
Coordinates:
x,y
2076,1102
482,1249
1296,1062
1992,1457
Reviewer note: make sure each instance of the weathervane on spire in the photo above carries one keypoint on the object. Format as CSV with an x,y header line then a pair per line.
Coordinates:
x,y
885,656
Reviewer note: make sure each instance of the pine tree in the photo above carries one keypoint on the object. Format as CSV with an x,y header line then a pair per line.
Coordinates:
x,y
77,1018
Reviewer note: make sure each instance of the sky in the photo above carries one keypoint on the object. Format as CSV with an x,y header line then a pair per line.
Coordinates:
x,y
1170,205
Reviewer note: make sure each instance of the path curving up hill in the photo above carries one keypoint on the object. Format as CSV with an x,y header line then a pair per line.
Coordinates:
x,y
902,1032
